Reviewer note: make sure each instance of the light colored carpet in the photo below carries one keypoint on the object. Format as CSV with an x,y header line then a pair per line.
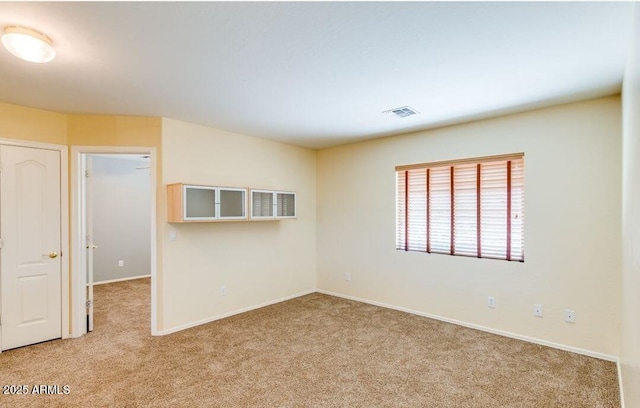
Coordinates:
x,y
313,351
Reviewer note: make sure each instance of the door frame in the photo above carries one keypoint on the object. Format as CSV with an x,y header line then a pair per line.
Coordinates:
x,y
78,258
65,304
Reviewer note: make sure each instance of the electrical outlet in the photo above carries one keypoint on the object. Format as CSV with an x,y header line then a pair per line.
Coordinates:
x,y
347,277
172,235
223,291
537,310
121,263
491,301
569,316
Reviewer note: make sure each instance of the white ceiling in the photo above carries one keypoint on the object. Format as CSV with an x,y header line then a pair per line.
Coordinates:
x,y
317,74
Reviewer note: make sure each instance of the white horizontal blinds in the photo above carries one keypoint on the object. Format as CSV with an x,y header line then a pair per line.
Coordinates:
x,y
517,210
493,209
440,209
465,209
417,210
262,204
401,213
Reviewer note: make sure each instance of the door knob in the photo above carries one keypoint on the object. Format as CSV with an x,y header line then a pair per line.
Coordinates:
x,y
53,255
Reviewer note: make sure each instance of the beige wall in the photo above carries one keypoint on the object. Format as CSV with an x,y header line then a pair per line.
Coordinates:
x,y
21,123
630,336
110,130
572,238
259,261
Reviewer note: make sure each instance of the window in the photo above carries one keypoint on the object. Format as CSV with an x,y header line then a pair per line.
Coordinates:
x,y
467,207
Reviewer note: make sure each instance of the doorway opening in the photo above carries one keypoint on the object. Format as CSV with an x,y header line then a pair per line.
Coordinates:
x,y
117,198
114,236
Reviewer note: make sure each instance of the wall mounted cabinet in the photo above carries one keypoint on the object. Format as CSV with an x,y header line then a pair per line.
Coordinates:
x,y
269,204
195,203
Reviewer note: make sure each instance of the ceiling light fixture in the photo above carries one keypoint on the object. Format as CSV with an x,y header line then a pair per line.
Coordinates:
x,y
28,44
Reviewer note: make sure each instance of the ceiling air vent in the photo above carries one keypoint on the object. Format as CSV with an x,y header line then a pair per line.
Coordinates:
x,y
402,112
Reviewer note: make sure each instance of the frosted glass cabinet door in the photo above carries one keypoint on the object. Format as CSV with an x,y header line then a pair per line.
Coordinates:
x,y
286,205
233,203
262,204
199,203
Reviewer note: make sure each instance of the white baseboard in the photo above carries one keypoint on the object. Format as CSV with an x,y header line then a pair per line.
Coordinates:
x,y
233,313
121,279
620,383
576,350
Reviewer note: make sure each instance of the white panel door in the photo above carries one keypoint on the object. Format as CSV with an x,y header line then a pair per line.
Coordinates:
x,y
30,268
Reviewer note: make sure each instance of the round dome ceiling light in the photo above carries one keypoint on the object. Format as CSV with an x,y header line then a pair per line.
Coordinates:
x,y
28,44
